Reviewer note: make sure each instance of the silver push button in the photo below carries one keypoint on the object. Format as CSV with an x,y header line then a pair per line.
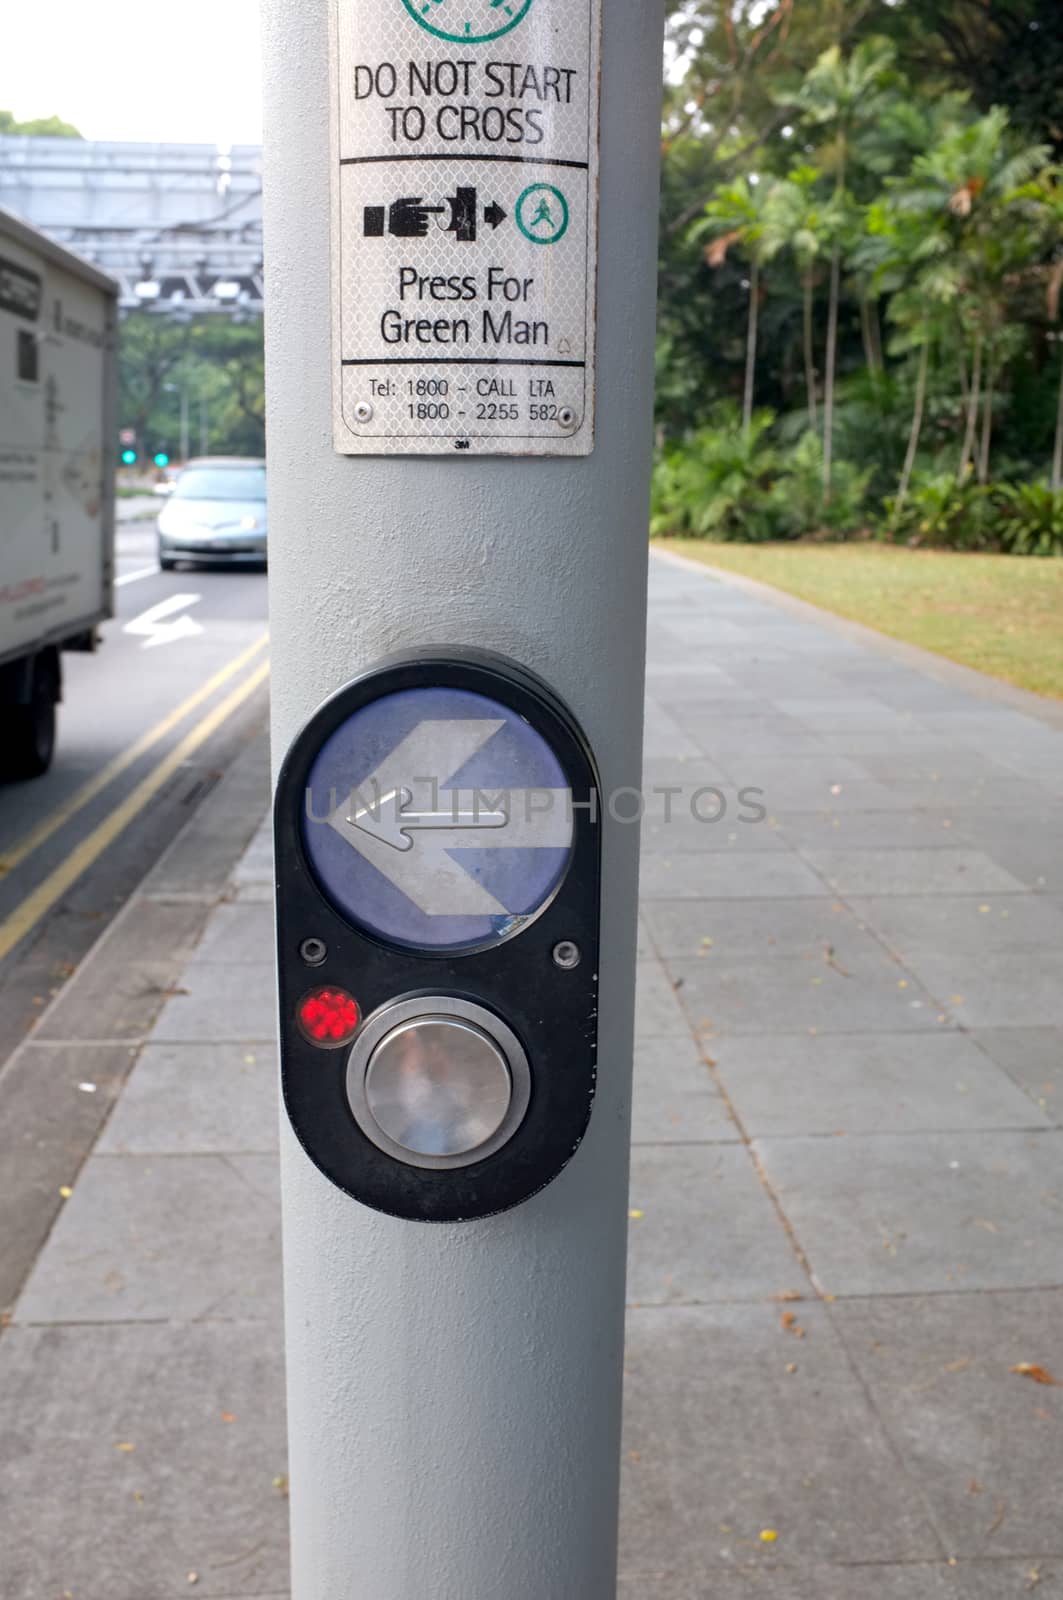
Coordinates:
x,y
438,1086
438,1082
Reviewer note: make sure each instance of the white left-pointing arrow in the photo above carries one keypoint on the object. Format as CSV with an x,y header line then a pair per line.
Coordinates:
x,y
161,626
405,821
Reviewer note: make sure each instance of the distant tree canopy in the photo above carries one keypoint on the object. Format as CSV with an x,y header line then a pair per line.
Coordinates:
x,y
862,249
53,127
214,363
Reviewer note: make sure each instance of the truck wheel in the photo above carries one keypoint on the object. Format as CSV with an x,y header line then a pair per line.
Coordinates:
x,y
28,749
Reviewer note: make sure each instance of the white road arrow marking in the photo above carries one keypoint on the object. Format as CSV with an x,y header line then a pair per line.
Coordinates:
x,y
405,821
154,627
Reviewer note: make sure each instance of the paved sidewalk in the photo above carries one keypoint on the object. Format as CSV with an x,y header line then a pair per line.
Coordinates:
x,y
847,1183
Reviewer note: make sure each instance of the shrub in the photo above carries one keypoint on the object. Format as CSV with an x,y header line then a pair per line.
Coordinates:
x,y
797,503
944,514
715,483
1029,519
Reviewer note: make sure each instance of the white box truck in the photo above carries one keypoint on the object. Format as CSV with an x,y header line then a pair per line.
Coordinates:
x,y
58,397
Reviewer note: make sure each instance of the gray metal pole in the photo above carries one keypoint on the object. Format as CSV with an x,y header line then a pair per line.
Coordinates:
x,y
184,423
454,1390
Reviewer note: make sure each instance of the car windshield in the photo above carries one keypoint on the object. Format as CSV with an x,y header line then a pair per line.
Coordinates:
x,y
221,483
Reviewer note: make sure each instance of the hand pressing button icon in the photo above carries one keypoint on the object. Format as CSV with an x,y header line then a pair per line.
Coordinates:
x,y
408,218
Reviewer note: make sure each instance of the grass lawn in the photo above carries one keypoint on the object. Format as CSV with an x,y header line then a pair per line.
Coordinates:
x,y
1000,614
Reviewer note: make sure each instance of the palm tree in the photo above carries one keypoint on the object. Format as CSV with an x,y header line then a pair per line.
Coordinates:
x,y
1053,217
842,94
976,183
911,262
807,225
739,214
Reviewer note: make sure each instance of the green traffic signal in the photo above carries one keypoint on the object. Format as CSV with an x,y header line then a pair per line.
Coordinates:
x,y
129,458
162,459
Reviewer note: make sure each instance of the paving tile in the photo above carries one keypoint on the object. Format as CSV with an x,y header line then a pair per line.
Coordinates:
x,y
783,966
1031,848
736,826
657,1011
940,763
899,829
967,1580
739,875
801,992
905,1214
687,775
120,996
218,1004
145,1238
56,1097
664,739
862,711
758,928
1005,964
981,1441
916,1581
675,1099
195,1493
184,1098
707,1232
868,1083
237,934
913,872
1033,1057
721,1441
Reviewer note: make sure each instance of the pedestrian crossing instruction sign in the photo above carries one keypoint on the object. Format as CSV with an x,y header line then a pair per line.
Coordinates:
x,y
464,257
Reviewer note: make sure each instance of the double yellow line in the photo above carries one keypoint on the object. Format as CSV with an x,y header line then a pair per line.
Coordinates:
x,y
26,915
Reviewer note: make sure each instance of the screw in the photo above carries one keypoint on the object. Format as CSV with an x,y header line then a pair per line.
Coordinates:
x,y
567,417
313,951
363,411
567,955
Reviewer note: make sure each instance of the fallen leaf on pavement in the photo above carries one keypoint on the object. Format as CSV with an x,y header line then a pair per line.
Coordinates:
x,y
1029,1369
125,1447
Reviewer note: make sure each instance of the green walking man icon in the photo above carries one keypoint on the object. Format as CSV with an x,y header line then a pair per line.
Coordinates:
x,y
542,214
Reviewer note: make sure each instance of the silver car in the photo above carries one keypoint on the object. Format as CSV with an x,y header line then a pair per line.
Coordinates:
x,y
216,513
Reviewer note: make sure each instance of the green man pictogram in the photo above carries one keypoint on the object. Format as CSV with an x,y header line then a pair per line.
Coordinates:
x,y
468,21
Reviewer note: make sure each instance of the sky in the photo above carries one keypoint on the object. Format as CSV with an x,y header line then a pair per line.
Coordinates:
x,y
118,69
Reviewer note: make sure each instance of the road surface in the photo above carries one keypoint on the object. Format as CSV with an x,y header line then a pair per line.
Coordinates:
x,y
147,727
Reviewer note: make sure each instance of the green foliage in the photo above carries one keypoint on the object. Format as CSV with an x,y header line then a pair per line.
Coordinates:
x,y
857,234
716,484
1029,519
941,513
798,508
53,127
730,483
216,363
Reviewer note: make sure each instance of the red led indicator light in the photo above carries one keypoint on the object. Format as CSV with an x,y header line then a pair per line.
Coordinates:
x,y
329,1016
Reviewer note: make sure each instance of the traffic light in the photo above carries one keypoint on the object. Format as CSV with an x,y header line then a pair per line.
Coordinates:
x,y
161,458
129,458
